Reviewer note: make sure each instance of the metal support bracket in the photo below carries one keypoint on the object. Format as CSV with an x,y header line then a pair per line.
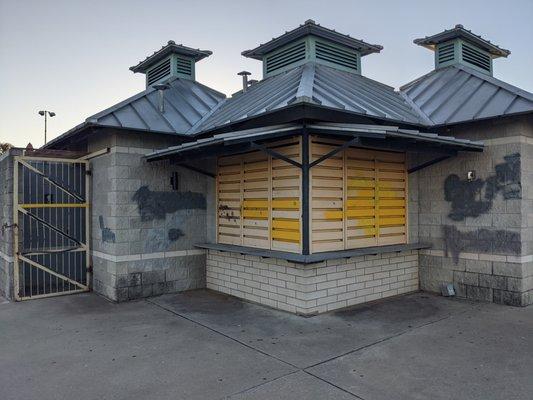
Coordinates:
x,y
275,154
428,163
354,141
199,170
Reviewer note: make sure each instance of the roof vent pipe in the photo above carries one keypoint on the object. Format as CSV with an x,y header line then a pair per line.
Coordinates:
x,y
161,89
244,75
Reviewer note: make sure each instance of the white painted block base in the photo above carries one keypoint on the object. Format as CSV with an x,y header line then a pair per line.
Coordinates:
x,y
315,288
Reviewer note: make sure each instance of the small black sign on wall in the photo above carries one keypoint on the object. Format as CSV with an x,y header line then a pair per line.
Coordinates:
x,y
174,180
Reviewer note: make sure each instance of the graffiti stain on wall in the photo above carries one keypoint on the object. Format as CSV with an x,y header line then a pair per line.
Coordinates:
x,y
107,234
156,205
174,234
474,198
480,241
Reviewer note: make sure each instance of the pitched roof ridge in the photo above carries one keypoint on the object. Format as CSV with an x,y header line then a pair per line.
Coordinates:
x,y
120,104
207,115
307,79
421,78
423,116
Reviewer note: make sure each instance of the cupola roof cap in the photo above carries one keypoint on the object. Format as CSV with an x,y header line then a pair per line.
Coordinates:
x,y
310,27
460,32
170,48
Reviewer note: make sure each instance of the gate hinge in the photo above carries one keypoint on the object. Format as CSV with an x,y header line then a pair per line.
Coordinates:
x,y
90,269
88,172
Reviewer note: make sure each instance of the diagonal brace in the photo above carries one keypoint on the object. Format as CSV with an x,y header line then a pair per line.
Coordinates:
x,y
195,169
48,270
52,181
275,154
345,145
428,164
42,221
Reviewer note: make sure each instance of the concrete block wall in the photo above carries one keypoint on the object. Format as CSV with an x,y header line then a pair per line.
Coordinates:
x,y
314,288
143,231
6,223
527,219
480,230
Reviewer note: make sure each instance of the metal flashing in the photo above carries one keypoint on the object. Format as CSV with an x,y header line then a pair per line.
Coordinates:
x,y
315,257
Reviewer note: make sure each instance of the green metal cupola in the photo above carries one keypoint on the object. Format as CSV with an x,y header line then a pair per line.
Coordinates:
x,y
461,46
172,60
311,42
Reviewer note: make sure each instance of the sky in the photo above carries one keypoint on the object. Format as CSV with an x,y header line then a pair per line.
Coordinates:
x,y
73,57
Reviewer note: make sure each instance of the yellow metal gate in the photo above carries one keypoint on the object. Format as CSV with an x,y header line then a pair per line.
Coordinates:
x,y
51,213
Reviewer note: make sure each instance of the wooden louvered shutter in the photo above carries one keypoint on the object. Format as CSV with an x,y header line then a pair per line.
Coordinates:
x,y
361,219
256,200
229,197
286,198
326,197
392,197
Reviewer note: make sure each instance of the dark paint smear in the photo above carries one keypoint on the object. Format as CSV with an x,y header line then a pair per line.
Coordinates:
x,y
467,199
391,311
174,234
480,241
107,234
156,205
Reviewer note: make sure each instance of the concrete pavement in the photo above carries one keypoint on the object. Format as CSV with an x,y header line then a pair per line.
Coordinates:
x,y
203,345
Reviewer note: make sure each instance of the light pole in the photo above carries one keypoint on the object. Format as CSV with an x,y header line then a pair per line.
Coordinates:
x,y
45,113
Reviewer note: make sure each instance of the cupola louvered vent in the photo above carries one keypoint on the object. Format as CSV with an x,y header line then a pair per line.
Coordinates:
x,y
173,61
290,55
445,53
474,56
184,66
158,72
336,55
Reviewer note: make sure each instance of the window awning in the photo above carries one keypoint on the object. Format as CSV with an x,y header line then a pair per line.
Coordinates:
x,y
373,136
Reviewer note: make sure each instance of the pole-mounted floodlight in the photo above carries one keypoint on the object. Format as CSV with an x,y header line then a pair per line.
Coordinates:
x,y
45,113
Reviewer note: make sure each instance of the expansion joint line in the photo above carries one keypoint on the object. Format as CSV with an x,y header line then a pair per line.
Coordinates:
x,y
296,368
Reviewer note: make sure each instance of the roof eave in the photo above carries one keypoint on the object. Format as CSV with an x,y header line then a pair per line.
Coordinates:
x,y
87,124
306,103
476,120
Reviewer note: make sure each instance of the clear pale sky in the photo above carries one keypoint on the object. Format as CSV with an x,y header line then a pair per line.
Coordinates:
x,y
72,56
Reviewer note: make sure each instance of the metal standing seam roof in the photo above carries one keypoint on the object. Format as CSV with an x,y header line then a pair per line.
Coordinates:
x,y
318,85
226,139
186,102
459,94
